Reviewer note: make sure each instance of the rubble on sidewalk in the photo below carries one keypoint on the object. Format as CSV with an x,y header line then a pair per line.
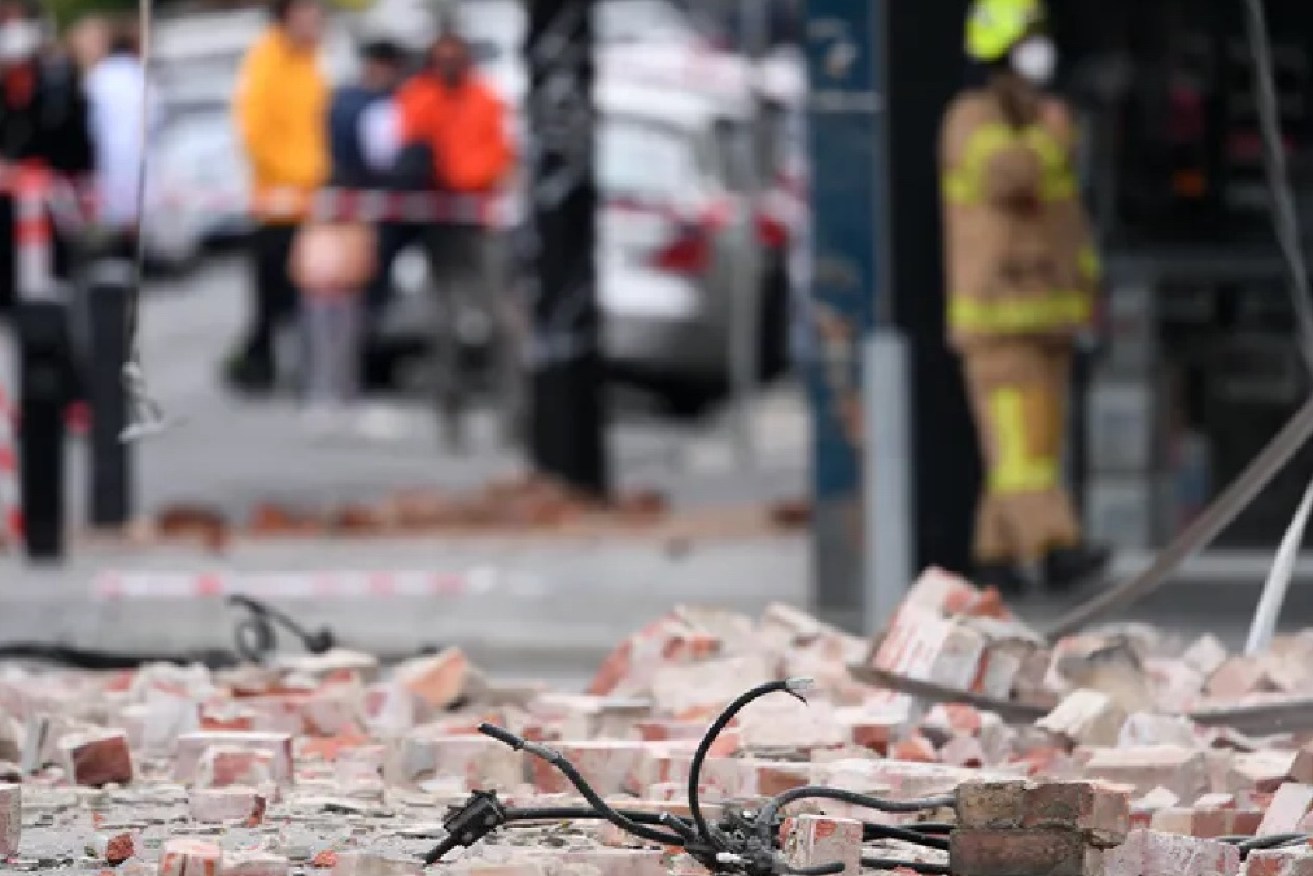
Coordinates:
x,y
329,764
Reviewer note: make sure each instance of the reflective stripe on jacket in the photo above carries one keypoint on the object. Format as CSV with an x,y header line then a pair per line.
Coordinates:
x,y
1019,256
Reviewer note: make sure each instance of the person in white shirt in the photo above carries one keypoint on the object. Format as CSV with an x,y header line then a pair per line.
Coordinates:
x,y
122,116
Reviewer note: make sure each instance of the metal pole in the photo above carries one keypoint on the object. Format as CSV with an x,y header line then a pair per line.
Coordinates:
x,y
887,465
745,324
567,439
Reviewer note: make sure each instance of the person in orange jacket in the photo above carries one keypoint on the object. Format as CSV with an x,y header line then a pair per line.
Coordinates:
x,y
459,125
281,111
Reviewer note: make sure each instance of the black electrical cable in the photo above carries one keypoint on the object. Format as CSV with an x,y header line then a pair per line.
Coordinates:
x,y
557,760
766,818
1276,840
84,658
875,863
792,686
885,831
256,637
786,869
579,813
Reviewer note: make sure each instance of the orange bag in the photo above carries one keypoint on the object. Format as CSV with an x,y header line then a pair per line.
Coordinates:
x,y
333,258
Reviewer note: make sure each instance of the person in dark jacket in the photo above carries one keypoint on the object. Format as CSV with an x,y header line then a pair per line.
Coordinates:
x,y
364,139
44,122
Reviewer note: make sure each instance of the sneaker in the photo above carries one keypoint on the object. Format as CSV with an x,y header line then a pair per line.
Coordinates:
x,y
1006,578
1067,568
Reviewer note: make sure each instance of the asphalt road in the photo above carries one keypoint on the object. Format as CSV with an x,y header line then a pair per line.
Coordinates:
x,y
232,452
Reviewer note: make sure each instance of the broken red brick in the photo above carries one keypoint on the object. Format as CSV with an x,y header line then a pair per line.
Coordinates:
x,y
438,681
1149,853
914,749
604,764
1019,852
1102,816
192,747
1267,771
226,804
224,766
482,763
96,759
119,848
254,863
324,860
1182,771
11,818
1289,806
190,857
1279,862
619,862
990,804
816,840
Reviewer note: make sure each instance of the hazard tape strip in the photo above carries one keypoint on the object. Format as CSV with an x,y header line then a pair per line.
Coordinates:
x,y
131,586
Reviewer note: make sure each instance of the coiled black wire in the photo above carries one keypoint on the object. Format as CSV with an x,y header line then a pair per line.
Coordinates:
x,y
904,834
752,849
256,636
790,686
559,761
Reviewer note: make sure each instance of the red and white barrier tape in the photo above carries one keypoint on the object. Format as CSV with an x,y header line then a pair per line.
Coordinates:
x,y
121,586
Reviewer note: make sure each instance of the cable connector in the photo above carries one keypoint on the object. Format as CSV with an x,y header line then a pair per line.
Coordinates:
x,y
481,815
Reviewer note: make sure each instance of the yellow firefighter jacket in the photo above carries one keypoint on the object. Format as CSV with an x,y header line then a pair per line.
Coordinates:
x,y
1020,258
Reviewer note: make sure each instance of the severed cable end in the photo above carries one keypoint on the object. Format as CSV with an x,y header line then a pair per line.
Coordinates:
x,y
146,415
800,687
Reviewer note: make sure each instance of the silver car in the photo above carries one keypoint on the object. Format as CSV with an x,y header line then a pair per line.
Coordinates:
x,y
681,267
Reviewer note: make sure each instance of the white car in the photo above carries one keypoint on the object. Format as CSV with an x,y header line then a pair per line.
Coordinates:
x,y
197,187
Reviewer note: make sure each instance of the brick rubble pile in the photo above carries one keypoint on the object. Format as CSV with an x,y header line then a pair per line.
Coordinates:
x,y
331,764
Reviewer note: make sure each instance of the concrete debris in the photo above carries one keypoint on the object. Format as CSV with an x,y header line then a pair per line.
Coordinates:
x,y
332,763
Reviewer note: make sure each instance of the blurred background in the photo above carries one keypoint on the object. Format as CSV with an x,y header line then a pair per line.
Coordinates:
x,y
774,158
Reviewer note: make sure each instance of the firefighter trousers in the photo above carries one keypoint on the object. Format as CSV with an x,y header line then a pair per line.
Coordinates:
x,y
1018,391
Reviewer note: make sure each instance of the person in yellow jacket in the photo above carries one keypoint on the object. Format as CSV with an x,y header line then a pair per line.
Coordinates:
x,y
281,112
1022,275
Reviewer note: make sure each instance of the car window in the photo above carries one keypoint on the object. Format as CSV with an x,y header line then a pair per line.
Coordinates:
x,y
644,159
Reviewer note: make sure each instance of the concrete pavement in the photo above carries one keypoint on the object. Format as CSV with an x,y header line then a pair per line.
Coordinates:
x,y
521,605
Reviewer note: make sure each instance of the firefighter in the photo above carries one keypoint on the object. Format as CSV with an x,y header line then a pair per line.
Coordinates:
x,y
1022,276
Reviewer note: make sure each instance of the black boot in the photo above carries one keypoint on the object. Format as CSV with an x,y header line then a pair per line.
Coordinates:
x,y
1007,578
1066,568
250,374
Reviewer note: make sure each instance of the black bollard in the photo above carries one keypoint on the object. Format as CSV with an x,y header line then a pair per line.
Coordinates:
x,y
43,394
44,371
109,296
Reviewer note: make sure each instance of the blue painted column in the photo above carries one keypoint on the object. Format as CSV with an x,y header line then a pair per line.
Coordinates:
x,y
846,60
